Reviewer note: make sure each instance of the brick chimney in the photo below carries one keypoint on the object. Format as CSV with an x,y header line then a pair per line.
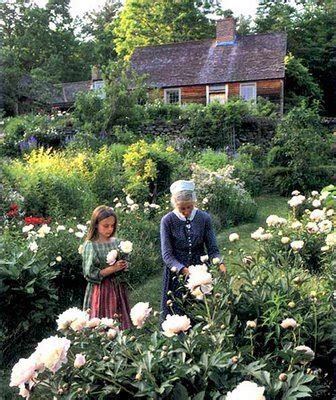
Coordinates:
x,y
226,31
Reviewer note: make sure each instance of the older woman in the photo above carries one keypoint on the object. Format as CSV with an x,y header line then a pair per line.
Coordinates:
x,y
186,234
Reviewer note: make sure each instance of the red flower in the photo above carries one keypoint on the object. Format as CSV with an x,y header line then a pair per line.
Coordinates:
x,y
37,220
13,210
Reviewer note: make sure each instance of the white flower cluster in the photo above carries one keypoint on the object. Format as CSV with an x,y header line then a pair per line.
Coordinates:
x,y
199,281
247,390
175,324
139,313
274,220
261,235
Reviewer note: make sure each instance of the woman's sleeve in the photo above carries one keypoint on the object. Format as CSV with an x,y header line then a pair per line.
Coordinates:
x,y
91,269
210,239
167,248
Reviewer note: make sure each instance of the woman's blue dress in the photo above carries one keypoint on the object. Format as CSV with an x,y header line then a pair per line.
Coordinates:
x,y
182,245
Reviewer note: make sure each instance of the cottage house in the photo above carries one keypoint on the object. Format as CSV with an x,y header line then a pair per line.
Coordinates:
x,y
202,71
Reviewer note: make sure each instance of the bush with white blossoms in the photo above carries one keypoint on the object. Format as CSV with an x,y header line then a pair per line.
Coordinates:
x,y
304,236
243,342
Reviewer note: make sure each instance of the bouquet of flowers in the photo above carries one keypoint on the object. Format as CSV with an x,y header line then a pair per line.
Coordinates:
x,y
123,252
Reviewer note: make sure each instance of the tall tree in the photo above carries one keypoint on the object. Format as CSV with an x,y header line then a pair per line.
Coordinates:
x,y
311,30
40,43
98,32
145,22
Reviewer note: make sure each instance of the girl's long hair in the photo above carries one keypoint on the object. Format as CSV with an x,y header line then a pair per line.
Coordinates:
x,y
100,213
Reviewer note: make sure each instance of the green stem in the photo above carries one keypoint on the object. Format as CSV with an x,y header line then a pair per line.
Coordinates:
x,y
207,309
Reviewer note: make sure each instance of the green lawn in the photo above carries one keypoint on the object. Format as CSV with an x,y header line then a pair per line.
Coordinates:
x,y
151,291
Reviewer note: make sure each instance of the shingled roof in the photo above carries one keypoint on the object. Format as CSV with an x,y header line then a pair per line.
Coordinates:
x,y
65,93
250,58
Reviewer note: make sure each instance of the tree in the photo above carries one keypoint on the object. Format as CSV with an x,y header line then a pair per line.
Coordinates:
x,y
300,84
145,22
98,31
311,31
39,42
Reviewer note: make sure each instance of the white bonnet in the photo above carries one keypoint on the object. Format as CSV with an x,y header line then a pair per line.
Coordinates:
x,y
181,185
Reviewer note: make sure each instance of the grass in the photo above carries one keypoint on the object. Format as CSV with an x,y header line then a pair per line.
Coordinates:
x,y
151,291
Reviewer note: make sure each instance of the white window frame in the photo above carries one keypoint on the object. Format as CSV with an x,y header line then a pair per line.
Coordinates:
x,y
165,91
254,85
208,92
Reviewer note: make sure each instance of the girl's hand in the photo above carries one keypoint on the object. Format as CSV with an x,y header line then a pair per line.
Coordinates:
x,y
119,265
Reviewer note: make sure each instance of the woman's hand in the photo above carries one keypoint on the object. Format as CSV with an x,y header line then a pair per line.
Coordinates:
x,y
222,268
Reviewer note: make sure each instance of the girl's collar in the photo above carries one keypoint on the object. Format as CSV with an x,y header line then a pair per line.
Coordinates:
x,y
182,217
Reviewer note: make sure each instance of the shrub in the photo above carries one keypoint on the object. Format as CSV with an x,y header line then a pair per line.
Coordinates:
x,y
213,160
224,195
301,145
148,169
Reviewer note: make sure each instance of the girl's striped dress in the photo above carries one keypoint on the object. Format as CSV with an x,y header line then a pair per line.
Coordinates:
x,y
104,297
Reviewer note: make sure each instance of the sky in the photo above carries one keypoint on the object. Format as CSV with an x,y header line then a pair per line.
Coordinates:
x,y
79,7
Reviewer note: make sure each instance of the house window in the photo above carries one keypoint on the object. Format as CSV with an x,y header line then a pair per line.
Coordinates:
x,y
172,96
248,91
217,93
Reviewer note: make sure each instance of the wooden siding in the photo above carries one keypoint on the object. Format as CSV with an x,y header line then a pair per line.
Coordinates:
x,y
193,94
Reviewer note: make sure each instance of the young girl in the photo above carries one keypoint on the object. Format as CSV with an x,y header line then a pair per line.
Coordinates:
x,y
104,297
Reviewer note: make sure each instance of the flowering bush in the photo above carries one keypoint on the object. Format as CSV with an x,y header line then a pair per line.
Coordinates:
x,y
305,237
225,196
214,350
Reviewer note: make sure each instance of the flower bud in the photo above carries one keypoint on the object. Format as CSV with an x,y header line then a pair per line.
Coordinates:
x,y
138,376
106,358
234,359
291,304
283,377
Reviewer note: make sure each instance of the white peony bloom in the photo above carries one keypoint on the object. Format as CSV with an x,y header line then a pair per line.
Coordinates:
x,y
257,234
58,258
129,201
285,240
325,248
134,207
93,323
80,249
272,220
331,239
33,246
198,294
116,199
330,212
80,234
68,317
314,193
198,276
23,371
266,236
112,333
52,352
27,228
70,230
251,324
297,245
175,324
108,322
316,203
44,230
233,237
296,200
312,227
118,205
216,260
296,225
306,353
204,258
139,314
295,193
325,226
247,390
82,227
324,195
60,228
111,257
79,360
317,215
126,246
288,323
